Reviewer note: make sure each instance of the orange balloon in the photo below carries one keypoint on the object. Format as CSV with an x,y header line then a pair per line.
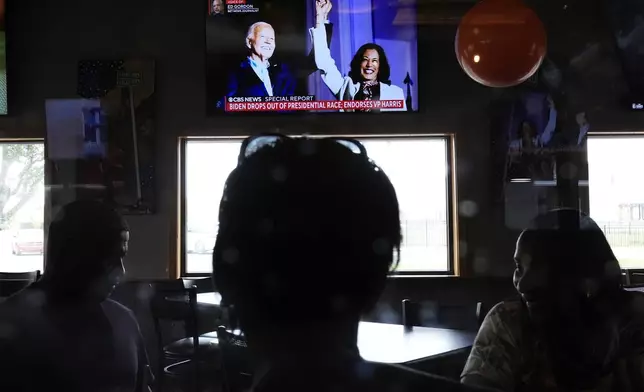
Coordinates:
x,y
500,43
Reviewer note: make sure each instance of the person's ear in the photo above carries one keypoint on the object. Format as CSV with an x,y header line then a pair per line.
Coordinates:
x,y
249,42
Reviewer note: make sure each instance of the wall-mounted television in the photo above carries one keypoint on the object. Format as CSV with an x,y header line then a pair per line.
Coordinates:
x,y
3,61
311,55
627,20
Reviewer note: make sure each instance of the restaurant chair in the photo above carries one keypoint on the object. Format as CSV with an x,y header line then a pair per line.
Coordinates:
x,y
237,373
12,282
193,355
203,285
632,277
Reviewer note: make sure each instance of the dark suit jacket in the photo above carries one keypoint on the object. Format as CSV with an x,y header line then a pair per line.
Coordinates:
x,y
244,82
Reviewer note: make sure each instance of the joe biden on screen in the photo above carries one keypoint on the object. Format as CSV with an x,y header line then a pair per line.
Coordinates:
x,y
258,76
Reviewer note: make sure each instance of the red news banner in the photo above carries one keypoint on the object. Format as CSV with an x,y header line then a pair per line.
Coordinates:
x,y
312,105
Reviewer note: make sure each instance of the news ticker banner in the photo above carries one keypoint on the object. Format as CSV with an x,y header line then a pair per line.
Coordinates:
x,y
240,7
306,103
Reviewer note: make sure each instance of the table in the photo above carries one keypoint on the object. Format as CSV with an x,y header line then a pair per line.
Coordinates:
x,y
392,343
209,299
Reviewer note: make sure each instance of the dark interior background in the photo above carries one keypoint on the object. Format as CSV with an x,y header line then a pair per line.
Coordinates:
x,y
46,39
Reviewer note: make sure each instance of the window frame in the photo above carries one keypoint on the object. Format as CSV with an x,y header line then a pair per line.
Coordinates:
x,y
630,206
46,178
451,195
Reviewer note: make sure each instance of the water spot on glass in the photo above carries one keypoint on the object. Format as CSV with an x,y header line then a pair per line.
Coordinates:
x,y
230,255
37,299
462,248
385,314
279,173
468,209
568,171
271,284
481,263
339,304
7,331
144,293
364,371
307,147
265,226
612,270
381,246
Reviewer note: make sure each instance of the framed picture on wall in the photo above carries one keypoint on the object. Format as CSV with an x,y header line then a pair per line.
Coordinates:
x,y
102,145
532,147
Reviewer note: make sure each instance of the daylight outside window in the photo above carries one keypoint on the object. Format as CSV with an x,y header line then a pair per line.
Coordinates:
x,y
22,201
617,194
417,167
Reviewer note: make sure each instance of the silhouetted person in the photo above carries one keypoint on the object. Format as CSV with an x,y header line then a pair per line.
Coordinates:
x,y
62,332
574,328
308,231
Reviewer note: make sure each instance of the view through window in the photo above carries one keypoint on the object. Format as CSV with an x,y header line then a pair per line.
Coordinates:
x,y
617,194
417,167
22,201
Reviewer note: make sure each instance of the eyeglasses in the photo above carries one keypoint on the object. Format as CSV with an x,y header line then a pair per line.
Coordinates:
x,y
255,143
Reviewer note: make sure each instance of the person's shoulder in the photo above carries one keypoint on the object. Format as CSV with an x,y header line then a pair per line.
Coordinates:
x,y
23,302
398,378
117,309
508,307
508,314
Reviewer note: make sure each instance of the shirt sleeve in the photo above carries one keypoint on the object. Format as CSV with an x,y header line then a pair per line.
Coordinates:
x,y
330,73
549,130
495,354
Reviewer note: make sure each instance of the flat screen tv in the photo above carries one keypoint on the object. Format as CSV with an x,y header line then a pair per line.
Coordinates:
x,y
627,19
318,56
3,61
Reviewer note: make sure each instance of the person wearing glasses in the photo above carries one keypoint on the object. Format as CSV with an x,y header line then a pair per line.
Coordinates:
x,y
309,229
574,328
63,332
368,78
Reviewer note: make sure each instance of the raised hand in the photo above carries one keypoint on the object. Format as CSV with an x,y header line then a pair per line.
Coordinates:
x,y
322,9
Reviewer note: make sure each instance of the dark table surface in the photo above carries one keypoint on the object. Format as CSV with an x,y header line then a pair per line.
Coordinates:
x,y
392,343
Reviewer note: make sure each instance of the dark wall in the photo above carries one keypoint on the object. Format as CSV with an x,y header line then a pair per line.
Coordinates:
x,y
46,39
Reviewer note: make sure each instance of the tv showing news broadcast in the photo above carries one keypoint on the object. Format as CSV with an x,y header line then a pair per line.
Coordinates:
x,y
311,55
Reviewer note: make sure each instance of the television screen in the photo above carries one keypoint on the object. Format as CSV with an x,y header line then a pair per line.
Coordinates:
x,y
627,18
318,56
3,61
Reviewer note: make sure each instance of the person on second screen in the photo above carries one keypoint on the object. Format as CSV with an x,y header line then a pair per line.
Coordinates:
x,y
297,205
217,8
574,327
62,332
369,73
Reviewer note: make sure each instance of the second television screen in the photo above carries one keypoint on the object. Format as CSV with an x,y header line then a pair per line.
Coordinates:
x,y
307,55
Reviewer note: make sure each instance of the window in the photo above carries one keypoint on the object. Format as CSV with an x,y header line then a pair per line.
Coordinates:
x,y
418,168
22,201
617,194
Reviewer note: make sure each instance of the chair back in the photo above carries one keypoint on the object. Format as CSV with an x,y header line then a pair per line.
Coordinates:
x,y
174,304
237,371
31,276
12,282
203,285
